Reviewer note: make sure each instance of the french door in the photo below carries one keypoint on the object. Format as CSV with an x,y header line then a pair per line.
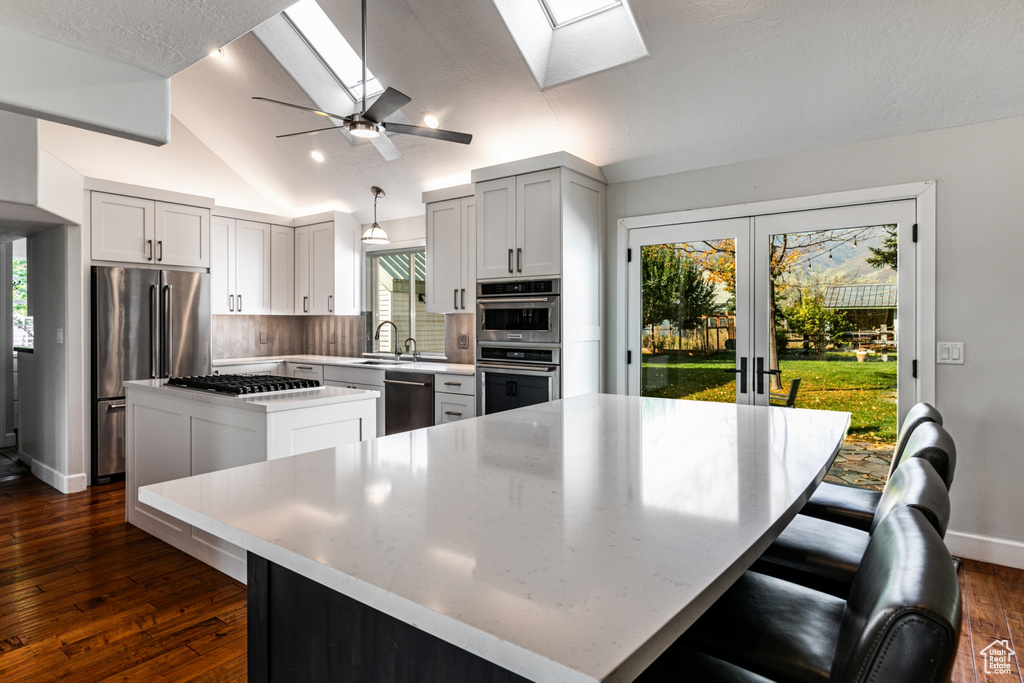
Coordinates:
x,y
736,309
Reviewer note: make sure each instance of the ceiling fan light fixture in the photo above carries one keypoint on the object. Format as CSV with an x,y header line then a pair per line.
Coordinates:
x,y
375,234
430,121
364,129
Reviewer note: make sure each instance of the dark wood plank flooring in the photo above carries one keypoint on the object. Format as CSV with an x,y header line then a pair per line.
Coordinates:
x,y
85,596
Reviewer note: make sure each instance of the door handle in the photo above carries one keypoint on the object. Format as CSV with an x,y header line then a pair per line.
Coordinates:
x,y
154,324
231,302
510,260
160,250
742,372
761,372
463,299
330,303
149,250
407,383
115,406
305,304
455,301
519,260
169,330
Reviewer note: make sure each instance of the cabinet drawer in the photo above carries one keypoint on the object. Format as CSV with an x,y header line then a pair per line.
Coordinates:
x,y
341,373
304,370
453,407
455,384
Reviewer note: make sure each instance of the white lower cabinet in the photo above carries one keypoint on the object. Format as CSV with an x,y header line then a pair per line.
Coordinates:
x,y
359,378
304,370
454,397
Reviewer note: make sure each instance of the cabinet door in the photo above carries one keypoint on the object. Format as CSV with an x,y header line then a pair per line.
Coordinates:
x,y
252,267
453,407
538,224
302,271
182,235
222,265
496,228
444,256
467,292
347,269
122,228
321,259
282,270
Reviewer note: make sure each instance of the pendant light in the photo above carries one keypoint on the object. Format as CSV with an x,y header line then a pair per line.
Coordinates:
x,y
375,234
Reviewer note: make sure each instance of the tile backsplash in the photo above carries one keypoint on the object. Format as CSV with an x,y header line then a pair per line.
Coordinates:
x,y
238,336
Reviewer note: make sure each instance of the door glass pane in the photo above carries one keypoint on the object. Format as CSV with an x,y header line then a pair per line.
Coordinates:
x,y
688,309
832,304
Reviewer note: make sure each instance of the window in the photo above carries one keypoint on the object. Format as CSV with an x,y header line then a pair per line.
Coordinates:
x,y
317,30
561,12
396,292
22,322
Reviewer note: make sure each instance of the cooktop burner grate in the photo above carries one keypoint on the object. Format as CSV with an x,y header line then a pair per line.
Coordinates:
x,y
243,385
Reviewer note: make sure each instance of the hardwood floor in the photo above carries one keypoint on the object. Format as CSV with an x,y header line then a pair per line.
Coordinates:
x,y
84,596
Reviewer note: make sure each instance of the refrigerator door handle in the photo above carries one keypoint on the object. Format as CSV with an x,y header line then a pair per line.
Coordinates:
x,y
168,331
154,323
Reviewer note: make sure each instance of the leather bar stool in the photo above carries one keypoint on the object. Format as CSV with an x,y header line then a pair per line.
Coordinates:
x,y
901,622
855,507
825,556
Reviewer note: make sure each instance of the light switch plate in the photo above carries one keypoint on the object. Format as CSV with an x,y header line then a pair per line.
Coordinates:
x,y
463,341
949,353
263,337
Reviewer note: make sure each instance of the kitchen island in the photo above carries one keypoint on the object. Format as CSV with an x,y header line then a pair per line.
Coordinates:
x,y
173,432
567,541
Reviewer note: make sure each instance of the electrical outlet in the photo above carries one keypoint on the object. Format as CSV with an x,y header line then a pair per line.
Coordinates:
x,y
331,338
263,337
463,341
950,353
60,335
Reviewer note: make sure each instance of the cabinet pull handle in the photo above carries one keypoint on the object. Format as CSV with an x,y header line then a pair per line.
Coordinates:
x,y
510,260
330,303
231,302
149,251
453,384
305,304
455,293
160,250
303,367
463,299
519,260
239,303
452,413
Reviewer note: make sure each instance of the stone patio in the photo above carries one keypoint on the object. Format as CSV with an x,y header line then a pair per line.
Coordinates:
x,y
861,463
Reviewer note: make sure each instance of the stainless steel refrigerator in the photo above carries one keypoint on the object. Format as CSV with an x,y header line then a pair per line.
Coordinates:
x,y
146,324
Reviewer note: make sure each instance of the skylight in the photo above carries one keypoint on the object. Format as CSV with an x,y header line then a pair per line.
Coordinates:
x,y
561,12
314,26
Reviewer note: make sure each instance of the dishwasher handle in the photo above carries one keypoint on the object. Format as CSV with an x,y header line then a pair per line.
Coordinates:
x,y
407,383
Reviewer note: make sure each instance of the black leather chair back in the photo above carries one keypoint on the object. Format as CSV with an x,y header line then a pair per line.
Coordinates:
x,y
917,484
916,416
902,619
932,442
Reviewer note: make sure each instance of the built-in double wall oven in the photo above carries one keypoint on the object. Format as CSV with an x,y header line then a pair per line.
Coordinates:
x,y
518,334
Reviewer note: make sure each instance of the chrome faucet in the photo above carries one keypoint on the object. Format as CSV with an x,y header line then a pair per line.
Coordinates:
x,y
415,351
376,335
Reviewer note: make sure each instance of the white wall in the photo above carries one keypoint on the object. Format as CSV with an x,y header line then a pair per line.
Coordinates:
x,y
980,241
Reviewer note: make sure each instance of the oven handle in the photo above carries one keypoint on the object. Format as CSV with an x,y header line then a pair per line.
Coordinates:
x,y
516,300
509,367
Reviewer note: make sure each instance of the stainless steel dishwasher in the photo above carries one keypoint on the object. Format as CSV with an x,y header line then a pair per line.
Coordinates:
x,y
408,401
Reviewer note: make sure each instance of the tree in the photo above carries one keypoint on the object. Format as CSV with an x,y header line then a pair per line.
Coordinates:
x,y
886,254
821,325
661,279
19,294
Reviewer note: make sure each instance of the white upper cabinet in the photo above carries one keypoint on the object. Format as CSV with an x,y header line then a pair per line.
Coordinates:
x,y
134,230
519,226
451,256
240,267
282,270
328,272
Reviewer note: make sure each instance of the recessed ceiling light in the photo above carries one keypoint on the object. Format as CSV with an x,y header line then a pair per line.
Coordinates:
x,y
317,156
219,52
430,121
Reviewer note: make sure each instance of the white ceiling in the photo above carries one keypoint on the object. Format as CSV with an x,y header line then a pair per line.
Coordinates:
x,y
727,81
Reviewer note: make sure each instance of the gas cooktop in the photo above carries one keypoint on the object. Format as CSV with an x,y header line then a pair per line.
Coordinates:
x,y
243,385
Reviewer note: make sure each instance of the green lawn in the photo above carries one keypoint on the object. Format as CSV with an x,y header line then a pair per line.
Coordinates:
x,y
867,390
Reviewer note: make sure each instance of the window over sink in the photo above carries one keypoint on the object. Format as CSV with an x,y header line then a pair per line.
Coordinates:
x,y
396,291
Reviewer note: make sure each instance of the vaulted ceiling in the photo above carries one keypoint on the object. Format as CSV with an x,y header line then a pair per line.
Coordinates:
x,y
726,81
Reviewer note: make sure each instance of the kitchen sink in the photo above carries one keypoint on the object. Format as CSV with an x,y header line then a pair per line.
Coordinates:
x,y
381,361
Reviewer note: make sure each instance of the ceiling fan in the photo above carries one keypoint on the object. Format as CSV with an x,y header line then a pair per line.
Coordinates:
x,y
369,123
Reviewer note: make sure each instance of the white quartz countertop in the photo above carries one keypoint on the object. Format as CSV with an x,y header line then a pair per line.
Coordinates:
x,y
568,541
264,403
421,366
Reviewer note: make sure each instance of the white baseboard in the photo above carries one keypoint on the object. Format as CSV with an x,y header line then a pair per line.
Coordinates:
x,y
1004,551
65,483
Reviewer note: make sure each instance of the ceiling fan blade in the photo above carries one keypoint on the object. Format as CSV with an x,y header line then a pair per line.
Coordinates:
x,y
386,148
299,106
387,104
447,135
308,132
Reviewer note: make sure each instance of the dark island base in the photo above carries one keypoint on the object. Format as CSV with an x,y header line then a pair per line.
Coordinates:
x,y
300,630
